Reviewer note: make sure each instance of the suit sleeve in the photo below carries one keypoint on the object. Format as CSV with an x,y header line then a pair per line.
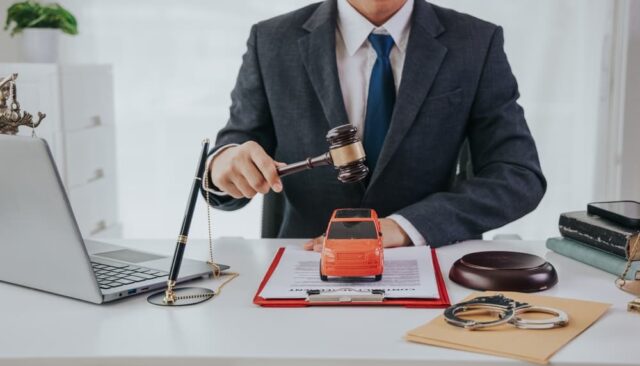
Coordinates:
x,y
250,116
507,183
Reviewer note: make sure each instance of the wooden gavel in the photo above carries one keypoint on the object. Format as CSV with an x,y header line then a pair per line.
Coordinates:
x,y
345,153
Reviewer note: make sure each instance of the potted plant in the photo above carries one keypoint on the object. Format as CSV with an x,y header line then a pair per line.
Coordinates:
x,y
39,26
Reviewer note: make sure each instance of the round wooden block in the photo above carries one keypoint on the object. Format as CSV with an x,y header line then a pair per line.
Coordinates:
x,y
503,271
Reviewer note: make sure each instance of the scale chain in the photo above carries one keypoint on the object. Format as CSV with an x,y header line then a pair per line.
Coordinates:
x,y
214,266
632,254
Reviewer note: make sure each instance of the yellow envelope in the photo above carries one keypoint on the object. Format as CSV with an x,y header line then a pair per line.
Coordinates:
x,y
508,341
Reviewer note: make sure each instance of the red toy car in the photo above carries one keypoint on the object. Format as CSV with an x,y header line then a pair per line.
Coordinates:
x,y
352,245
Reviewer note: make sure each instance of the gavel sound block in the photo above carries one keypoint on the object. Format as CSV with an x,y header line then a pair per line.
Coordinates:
x,y
345,153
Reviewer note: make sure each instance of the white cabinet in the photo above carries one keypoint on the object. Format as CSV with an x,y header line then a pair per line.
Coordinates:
x,y
79,127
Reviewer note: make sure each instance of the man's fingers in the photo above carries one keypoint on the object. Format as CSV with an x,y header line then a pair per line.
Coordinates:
x,y
317,243
314,244
228,187
268,170
233,192
271,175
243,186
308,245
245,170
393,234
255,178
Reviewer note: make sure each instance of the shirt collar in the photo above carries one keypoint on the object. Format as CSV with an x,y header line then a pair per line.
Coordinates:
x,y
355,28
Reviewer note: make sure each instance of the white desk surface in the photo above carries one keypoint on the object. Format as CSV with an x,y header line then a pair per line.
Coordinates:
x,y
40,328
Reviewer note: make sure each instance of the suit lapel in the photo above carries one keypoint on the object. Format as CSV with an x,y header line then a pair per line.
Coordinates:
x,y
422,62
318,50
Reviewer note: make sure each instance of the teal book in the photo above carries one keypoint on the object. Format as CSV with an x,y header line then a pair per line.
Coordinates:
x,y
593,257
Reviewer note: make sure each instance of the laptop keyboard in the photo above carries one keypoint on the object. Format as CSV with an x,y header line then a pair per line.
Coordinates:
x,y
117,275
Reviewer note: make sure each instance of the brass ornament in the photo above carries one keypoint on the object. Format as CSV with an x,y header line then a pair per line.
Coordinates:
x,y
11,117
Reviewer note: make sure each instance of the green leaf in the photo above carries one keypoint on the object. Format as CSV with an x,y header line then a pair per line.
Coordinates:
x,y
31,14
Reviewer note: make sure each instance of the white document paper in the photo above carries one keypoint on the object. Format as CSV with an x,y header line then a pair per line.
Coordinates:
x,y
408,273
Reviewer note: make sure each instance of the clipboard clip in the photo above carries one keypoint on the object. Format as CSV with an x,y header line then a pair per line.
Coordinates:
x,y
345,295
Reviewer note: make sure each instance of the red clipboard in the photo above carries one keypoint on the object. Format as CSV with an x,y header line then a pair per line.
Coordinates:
x,y
441,302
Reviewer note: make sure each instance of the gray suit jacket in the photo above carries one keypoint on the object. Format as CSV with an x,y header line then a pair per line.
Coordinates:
x,y
456,84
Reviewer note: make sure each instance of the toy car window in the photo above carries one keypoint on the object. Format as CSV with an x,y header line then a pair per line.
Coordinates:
x,y
341,214
352,230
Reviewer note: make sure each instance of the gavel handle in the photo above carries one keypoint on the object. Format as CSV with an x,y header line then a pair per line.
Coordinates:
x,y
308,163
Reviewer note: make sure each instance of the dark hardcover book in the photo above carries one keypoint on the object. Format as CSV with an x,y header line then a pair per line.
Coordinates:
x,y
599,233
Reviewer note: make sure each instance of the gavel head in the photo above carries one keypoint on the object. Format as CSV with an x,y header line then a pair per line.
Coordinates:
x,y
347,153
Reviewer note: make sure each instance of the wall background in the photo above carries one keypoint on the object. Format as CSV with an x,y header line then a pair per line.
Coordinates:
x,y
175,63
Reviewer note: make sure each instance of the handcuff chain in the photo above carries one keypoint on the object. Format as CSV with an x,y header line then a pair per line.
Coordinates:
x,y
508,311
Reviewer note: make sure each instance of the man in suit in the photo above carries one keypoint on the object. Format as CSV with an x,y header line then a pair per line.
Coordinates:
x,y
417,80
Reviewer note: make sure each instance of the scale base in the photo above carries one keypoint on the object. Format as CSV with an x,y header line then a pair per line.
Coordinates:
x,y
186,296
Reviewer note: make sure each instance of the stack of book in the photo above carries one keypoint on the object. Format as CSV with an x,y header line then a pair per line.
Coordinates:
x,y
597,242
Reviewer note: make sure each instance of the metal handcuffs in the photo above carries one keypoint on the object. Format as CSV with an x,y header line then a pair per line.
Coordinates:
x,y
508,311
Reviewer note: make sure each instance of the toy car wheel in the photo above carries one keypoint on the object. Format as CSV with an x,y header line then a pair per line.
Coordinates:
x,y
322,277
378,277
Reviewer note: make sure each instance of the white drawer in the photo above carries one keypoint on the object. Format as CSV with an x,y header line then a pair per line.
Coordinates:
x,y
87,96
90,155
94,205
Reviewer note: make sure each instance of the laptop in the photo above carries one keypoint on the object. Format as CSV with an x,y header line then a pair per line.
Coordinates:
x,y
41,244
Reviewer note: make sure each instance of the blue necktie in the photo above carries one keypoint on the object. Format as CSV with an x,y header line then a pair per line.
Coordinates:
x,y
381,99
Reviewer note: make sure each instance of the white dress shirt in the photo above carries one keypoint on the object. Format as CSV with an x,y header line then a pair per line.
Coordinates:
x,y
355,58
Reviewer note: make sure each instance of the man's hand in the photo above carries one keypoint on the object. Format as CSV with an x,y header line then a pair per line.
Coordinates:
x,y
392,236
244,170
